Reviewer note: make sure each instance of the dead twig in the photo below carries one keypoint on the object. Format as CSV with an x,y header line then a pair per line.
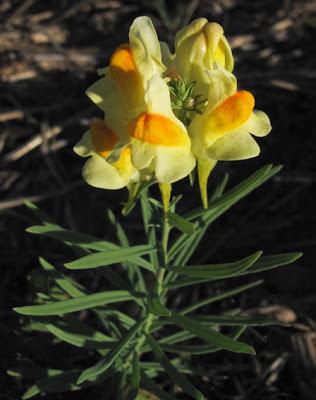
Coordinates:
x,y
11,115
19,201
39,138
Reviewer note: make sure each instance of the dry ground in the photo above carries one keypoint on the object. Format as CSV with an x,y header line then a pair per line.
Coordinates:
x,y
49,52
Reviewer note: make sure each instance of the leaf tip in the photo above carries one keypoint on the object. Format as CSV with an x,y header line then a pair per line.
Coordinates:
x,y
297,255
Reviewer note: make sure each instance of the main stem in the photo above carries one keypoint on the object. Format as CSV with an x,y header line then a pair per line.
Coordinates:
x,y
159,287
164,250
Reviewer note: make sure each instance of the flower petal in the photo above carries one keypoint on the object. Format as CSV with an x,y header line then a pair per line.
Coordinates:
x,y
229,115
99,173
145,47
172,164
84,147
194,27
238,145
102,137
221,85
142,154
106,95
258,123
167,57
158,129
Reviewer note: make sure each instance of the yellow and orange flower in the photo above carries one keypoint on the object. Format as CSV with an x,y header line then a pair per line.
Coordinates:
x,y
225,128
142,136
136,102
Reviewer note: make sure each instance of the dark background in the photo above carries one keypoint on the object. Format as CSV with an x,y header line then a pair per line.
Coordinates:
x,y
49,52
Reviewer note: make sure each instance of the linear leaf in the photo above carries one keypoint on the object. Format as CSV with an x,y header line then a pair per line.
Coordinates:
x,y
151,385
220,296
238,192
60,382
176,337
41,215
235,320
156,366
157,308
273,261
182,242
75,238
111,356
197,349
177,377
135,371
217,271
263,264
67,284
181,224
80,335
78,303
103,259
210,336
219,190
132,269
185,245
149,226
83,241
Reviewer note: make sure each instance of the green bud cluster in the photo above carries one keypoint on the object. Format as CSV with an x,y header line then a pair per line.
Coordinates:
x,y
184,101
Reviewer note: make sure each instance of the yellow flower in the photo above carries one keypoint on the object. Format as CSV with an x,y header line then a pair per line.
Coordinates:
x,y
143,135
198,47
137,106
97,144
225,128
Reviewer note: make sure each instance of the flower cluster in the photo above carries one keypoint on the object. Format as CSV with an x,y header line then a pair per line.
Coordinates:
x,y
164,113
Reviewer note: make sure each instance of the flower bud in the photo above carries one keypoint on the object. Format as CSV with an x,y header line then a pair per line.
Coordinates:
x,y
198,46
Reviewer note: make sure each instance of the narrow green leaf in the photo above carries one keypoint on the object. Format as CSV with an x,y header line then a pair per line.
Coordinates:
x,y
263,264
210,336
83,241
182,242
106,362
64,282
135,371
149,384
220,296
219,190
80,335
101,259
184,247
157,308
78,303
132,269
177,377
238,192
41,215
217,271
156,366
74,238
273,261
200,349
149,226
120,233
124,319
32,372
181,224
176,337
60,382
235,320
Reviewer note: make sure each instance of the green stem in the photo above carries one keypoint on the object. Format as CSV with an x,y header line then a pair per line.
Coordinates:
x,y
164,252
159,286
